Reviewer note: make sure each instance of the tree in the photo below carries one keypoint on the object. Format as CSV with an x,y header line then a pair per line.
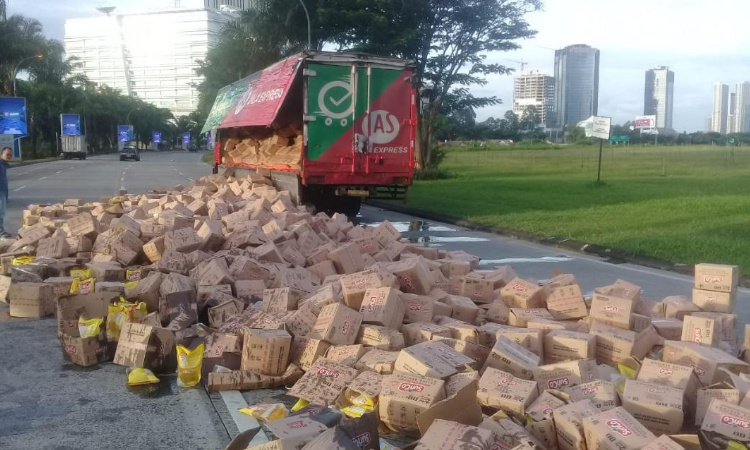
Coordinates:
x,y
21,39
576,135
448,39
530,119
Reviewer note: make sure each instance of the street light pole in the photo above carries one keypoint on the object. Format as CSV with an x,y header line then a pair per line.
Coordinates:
x,y
309,25
15,69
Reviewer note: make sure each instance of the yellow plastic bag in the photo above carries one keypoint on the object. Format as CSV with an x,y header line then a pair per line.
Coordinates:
x,y
189,363
354,412
133,274
301,403
90,327
81,274
266,412
22,260
79,286
360,405
130,285
140,377
121,313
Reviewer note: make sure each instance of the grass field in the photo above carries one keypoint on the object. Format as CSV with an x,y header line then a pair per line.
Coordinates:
x,y
683,204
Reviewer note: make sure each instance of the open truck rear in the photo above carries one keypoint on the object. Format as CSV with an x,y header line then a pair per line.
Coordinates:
x,y
331,128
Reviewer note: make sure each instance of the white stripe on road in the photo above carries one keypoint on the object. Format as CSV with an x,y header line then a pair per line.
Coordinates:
x,y
234,401
543,259
59,171
18,189
43,178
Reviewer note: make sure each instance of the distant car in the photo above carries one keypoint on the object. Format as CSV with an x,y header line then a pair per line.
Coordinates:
x,y
192,148
130,153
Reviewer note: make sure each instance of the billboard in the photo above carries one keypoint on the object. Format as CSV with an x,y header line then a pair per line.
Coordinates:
x,y
13,116
70,124
645,122
601,127
124,133
157,137
186,137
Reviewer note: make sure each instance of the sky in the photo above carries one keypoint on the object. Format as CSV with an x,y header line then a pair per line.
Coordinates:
x,y
702,41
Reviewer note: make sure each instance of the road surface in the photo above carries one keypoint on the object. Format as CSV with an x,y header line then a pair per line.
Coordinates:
x,y
46,403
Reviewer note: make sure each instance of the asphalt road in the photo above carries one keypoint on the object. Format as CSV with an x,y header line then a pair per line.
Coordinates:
x,y
46,403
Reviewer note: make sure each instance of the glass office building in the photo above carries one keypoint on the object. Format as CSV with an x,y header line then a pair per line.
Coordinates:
x,y
659,96
151,54
576,84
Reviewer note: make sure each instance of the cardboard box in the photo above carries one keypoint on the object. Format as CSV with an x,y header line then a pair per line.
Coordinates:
x,y
346,354
714,301
539,418
279,301
564,374
403,397
676,307
563,345
154,249
615,429
220,314
462,308
323,383
705,361
477,289
701,330
380,337
569,424
476,352
566,303
519,317
612,311
293,432
614,344
501,390
520,293
383,306
265,351
512,358
418,332
379,361
90,306
413,276
447,435
347,259
720,391
728,420
85,352
418,308
314,350
147,347
602,394
668,374
4,288
659,408
498,312
367,383
669,329
430,359
716,277
31,300
663,443
337,324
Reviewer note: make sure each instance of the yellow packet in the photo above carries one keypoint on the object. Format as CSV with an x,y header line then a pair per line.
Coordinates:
x,y
90,327
133,274
121,313
301,403
81,274
354,412
81,287
627,372
266,412
130,285
22,260
139,377
361,400
189,364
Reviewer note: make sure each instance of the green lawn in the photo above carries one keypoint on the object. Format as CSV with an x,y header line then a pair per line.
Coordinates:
x,y
683,204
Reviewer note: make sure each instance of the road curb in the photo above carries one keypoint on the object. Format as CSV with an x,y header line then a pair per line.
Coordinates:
x,y
32,162
614,255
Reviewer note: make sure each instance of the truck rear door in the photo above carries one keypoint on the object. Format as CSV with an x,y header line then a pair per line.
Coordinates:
x,y
360,125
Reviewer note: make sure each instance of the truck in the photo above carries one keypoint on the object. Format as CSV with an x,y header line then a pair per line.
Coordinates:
x,y
73,147
331,128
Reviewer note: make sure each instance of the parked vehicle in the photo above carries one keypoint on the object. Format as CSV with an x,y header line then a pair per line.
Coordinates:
x,y
331,128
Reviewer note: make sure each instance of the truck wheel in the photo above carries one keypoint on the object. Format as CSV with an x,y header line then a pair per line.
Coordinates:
x,y
350,206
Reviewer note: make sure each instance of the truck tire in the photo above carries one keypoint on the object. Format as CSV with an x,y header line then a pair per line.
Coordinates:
x,y
350,206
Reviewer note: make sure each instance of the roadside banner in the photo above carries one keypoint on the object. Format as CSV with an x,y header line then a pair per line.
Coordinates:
x,y
157,139
124,133
70,124
13,116
645,122
186,138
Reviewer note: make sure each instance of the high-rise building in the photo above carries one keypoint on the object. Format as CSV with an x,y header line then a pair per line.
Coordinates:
x,y
537,90
721,108
742,108
151,54
659,96
730,112
576,84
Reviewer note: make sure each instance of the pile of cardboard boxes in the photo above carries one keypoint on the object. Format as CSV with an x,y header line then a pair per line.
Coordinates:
x,y
283,147
375,335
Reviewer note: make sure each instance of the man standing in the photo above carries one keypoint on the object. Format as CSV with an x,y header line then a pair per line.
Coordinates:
x,y
5,156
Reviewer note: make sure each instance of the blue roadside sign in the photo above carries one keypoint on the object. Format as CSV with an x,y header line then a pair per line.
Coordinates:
x,y
13,116
71,124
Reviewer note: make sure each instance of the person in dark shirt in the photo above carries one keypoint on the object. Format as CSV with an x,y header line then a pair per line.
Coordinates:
x,y
5,156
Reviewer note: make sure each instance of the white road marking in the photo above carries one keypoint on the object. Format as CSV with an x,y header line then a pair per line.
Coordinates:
x,y
543,259
43,178
18,189
234,401
59,171
191,179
